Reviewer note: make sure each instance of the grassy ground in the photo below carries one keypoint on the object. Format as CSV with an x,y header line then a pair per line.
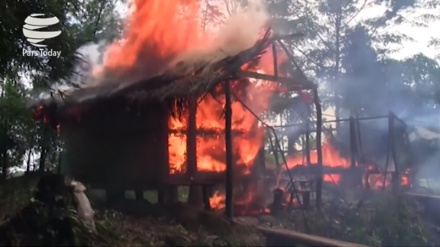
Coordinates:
x,y
15,194
183,226
380,221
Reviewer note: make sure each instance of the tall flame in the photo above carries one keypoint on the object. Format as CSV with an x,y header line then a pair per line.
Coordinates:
x,y
156,32
160,33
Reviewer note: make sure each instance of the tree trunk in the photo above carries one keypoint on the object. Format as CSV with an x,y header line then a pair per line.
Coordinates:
x,y
338,24
5,163
28,165
42,163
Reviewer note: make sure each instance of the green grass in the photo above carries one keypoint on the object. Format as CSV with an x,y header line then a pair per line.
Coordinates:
x,y
189,227
15,194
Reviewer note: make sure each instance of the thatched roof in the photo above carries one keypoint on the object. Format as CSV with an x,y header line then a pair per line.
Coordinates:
x,y
175,86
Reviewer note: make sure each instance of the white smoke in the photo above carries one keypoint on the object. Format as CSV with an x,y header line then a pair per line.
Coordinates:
x,y
240,32
91,57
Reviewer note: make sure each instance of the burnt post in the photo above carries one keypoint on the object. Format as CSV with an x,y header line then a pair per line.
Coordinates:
x,y
306,194
352,143
355,177
195,193
229,150
277,204
308,158
191,139
391,135
319,181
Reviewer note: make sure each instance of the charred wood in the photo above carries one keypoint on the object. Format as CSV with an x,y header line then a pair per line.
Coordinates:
x,y
315,169
209,132
318,146
277,204
229,151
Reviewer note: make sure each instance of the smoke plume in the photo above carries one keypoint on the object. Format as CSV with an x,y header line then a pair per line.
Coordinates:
x,y
140,56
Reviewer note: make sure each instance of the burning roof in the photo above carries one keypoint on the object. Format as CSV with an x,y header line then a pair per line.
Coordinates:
x,y
174,85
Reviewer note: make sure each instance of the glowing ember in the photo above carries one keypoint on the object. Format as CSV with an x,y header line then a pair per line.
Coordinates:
x,y
217,200
331,158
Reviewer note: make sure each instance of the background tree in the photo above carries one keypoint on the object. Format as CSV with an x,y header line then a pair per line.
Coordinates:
x,y
81,22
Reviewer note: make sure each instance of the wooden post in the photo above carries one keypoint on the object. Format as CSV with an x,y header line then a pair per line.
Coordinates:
x,y
206,191
308,158
319,181
195,191
173,195
164,142
353,154
139,194
191,139
306,194
391,136
277,203
275,60
229,150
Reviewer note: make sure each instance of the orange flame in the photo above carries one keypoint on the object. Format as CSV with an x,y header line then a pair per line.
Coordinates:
x,y
156,32
160,31
330,157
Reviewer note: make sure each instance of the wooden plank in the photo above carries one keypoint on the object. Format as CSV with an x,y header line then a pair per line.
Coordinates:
x,y
191,141
200,178
423,196
292,238
229,151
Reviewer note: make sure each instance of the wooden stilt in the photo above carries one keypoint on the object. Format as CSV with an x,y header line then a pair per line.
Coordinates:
x,y
319,181
229,150
206,195
396,177
194,197
139,194
353,153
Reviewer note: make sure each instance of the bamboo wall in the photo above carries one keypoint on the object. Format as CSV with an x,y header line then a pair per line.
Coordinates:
x,y
113,146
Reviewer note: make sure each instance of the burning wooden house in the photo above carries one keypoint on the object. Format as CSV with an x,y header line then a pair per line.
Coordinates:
x,y
185,126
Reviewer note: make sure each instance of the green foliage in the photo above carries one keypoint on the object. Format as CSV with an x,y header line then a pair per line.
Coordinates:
x,y
15,125
13,14
382,221
81,22
343,52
